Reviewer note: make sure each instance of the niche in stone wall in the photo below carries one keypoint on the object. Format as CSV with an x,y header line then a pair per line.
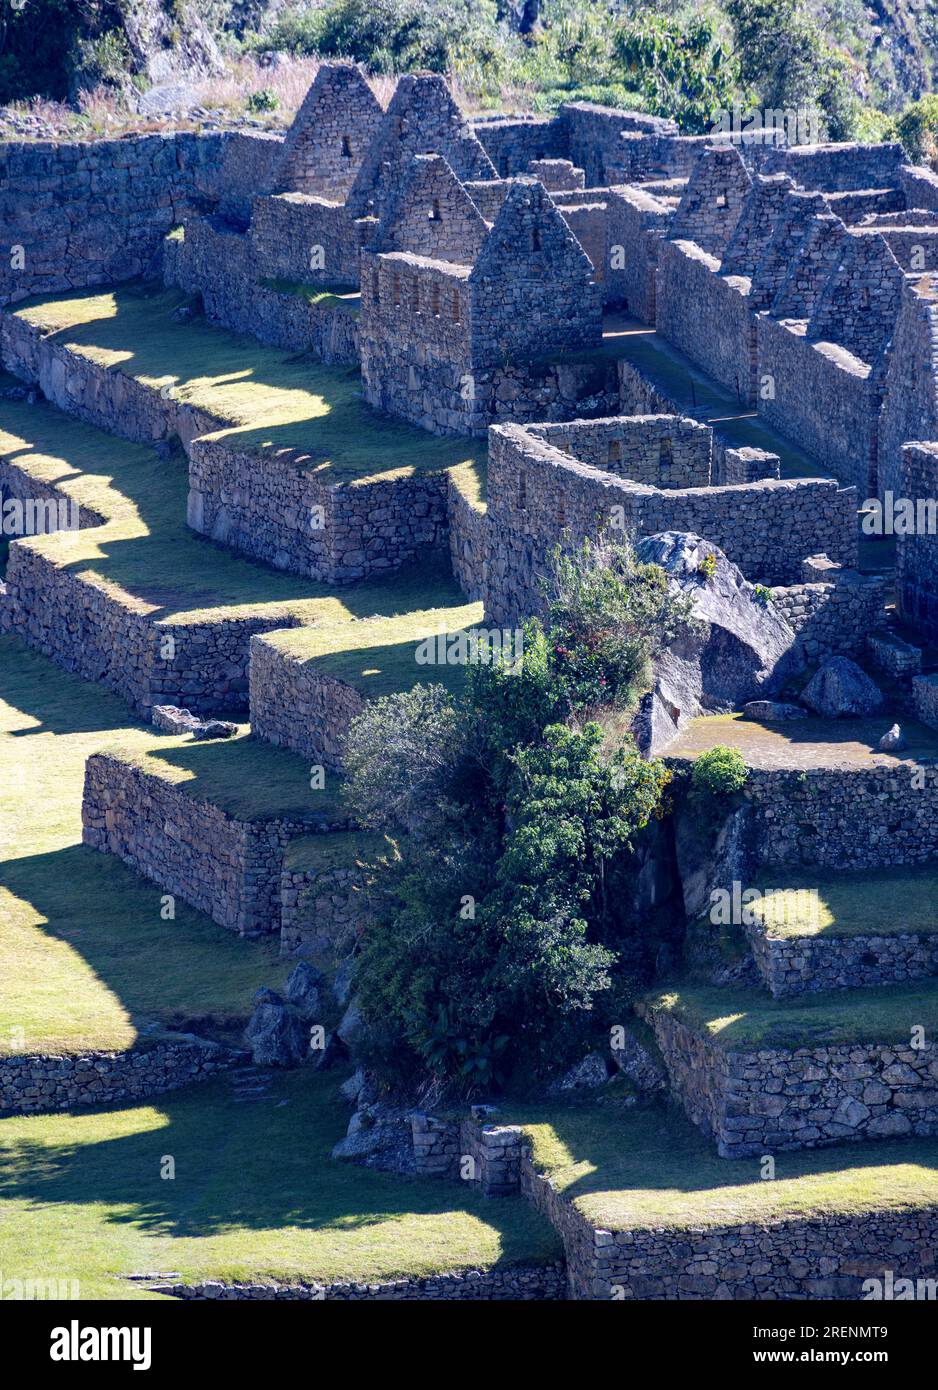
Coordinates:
x,y
347,148
665,453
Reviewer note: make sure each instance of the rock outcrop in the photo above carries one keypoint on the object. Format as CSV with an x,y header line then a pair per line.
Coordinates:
x,y
735,647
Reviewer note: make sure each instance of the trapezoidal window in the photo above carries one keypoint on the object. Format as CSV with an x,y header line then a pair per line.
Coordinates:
x,y
665,456
456,313
615,451
434,214
435,301
346,147
415,296
397,290
535,238
561,514
721,200
865,302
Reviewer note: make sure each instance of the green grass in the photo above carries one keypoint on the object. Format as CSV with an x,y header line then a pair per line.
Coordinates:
x,y
246,778
806,744
746,1019
317,296
379,656
86,961
255,1195
342,848
146,555
649,1167
827,903
270,400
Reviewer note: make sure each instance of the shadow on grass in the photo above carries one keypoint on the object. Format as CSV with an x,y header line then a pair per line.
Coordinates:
x,y
652,1148
185,973
246,1167
316,411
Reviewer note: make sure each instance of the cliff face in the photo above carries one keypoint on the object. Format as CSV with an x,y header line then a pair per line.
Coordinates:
x,y
892,46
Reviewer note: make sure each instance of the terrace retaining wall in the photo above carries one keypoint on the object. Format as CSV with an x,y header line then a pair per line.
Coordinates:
x,y
294,705
41,1083
807,964
102,634
769,1100
845,817
826,1257
519,1282
227,868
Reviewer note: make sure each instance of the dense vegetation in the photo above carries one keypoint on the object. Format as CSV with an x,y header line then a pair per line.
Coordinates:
x,y
507,932
860,72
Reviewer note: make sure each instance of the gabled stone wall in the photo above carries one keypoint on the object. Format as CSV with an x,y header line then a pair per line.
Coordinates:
x,y
326,144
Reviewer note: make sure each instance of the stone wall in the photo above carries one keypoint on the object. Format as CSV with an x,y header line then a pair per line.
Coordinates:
x,y
102,634
843,166
227,868
324,909
917,552
772,1099
93,212
539,497
294,704
270,507
821,397
468,541
660,451
326,143
637,222
707,315
42,1083
823,1257
295,236
833,618
469,1149
215,261
806,964
845,818
515,1283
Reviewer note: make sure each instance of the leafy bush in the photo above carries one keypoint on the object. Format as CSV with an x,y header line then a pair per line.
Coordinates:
x,y
264,100
506,919
917,128
720,772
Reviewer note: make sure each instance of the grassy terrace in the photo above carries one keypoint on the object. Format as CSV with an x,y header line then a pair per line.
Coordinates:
x,y
826,903
147,555
246,778
255,1195
379,656
339,849
648,1166
740,1020
805,743
103,968
269,399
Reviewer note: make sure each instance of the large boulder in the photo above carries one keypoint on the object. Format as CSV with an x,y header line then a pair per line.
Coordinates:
x,y
303,990
840,689
276,1034
736,647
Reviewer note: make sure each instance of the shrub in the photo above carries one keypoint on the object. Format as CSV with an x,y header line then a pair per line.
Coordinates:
x,y
263,100
507,918
720,772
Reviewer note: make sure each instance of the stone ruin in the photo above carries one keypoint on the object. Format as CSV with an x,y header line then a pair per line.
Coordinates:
x,y
479,273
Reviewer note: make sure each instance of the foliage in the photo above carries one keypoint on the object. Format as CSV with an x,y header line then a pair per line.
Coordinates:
x,y
917,128
680,68
389,36
507,914
719,772
264,100
786,61
707,567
